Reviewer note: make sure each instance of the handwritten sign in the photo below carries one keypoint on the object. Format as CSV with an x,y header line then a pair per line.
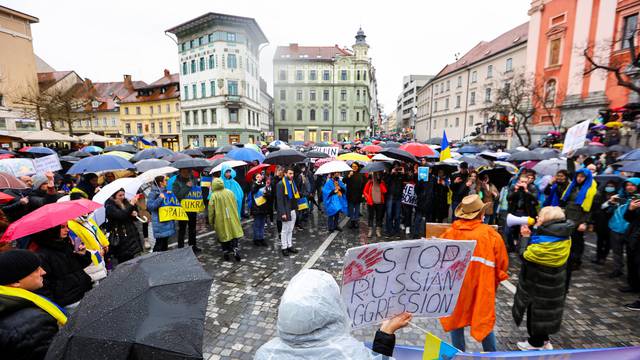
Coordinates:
x,y
423,173
422,277
47,163
576,136
409,195
332,151
170,209
193,201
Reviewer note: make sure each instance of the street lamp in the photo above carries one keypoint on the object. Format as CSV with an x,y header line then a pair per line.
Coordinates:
x,y
94,106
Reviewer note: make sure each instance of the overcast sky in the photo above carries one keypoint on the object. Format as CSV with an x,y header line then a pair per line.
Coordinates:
x,y
104,40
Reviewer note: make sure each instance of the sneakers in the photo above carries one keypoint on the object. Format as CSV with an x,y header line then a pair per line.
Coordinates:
x,y
379,231
236,255
525,346
370,233
635,306
292,250
285,252
407,230
147,244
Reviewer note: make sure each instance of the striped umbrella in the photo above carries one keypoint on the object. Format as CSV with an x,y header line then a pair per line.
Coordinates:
x,y
8,181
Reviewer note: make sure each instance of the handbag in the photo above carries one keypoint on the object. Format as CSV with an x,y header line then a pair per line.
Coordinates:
x,y
115,235
303,203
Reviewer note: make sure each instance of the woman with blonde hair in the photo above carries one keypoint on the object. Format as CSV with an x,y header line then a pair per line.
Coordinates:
x,y
541,285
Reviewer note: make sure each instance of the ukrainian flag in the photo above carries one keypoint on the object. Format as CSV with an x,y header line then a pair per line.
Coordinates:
x,y
445,150
436,349
146,144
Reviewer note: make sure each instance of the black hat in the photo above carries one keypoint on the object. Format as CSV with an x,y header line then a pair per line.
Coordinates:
x,y
464,165
16,265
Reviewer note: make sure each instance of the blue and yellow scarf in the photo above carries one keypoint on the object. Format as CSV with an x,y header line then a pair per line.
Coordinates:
x,y
587,191
42,302
290,189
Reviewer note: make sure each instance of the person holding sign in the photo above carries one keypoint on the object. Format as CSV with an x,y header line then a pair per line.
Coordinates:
x,y
162,230
488,267
181,188
259,207
225,219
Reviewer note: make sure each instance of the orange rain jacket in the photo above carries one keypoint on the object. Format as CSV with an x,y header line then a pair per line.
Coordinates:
x,y
487,268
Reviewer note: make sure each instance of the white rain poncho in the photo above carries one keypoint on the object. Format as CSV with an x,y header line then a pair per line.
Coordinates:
x,y
313,323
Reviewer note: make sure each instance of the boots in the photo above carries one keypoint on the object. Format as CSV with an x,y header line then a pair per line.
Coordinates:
x,y
378,231
370,233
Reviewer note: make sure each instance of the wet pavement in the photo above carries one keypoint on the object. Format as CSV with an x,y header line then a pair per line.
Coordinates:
x,y
243,304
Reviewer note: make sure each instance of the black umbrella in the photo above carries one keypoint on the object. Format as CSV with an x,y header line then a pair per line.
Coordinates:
x,y
317,155
444,166
390,144
470,149
209,151
538,154
79,154
475,162
376,166
434,141
191,163
498,176
631,166
148,164
151,307
69,158
176,157
619,148
399,154
122,147
590,150
193,152
605,178
284,157
225,149
217,162
151,153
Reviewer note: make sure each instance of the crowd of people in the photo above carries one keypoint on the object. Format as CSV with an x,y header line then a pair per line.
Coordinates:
x,y
45,275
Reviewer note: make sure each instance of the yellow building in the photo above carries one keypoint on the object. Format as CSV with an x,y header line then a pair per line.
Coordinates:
x,y
153,112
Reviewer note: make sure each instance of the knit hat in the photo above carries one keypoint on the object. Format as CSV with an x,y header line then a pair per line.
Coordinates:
x,y
38,180
16,265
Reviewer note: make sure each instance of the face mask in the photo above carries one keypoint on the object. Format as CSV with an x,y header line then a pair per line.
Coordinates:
x,y
609,189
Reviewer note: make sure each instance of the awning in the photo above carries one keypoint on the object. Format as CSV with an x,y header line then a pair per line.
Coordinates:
x,y
46,135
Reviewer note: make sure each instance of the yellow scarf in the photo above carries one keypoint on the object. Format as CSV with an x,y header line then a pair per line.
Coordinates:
x,y
553,254
40,301
94,239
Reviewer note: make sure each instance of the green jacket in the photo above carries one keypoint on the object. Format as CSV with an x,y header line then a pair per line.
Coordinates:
x,y
223,212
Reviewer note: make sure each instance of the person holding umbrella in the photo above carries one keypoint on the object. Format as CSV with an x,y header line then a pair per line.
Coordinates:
x,y
355,183
334,194
181,187
287,196
489,196
162,231
225,219
124,237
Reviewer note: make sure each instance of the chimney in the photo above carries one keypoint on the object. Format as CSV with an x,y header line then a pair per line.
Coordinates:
x,y
166,73
293,46
88,83
128,84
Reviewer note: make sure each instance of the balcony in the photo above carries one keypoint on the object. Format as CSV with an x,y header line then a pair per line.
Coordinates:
x,y
232,101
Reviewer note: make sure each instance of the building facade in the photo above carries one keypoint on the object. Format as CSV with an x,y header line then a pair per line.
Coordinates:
x,y
458,97
407,100
219,59
153,112
266,122
322,93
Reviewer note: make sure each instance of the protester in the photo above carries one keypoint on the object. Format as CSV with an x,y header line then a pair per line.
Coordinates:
x,y
425,193
441,200
488,267
304,188
541,284
355,183
632,215
261,195
181,187
489,195
43,191
374,194
522,202
225,219
313,324
287,197
393,200
335,202
228,178
124,237
162,230
406,206
556,187
602,211
86,188
458,180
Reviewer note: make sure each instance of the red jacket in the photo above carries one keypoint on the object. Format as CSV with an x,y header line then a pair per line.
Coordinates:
x,y
367,192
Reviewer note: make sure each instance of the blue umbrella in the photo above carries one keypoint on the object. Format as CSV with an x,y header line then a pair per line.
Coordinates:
x,y
152,153
631,155
37,150
92,149
469,149
633,167
245,154
100,163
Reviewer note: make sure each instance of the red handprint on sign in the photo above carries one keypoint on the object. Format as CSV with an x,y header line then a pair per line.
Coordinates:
x,y
458,266
362,265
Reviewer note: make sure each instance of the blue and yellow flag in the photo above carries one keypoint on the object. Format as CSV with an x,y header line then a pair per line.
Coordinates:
x,y
146,144
445,150
436,349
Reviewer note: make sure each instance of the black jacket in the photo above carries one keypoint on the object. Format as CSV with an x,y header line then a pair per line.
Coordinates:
x,y
395,185
284,205
265,208
26,331
180,188
522,203
633,238
424,199
458,189
355,188
124,237
65,282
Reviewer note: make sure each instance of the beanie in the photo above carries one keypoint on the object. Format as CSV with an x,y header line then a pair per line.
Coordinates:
x,y
16,265
38,180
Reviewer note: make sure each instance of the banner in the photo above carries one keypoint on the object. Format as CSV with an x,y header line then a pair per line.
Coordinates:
x,y
205,181
18,167
423,173
409,195
193,201
47,163
422,277
575,137
171,209
332,151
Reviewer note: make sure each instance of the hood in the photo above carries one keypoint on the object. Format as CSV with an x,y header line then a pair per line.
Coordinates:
x,y
217,184
634,180
224,169
561,228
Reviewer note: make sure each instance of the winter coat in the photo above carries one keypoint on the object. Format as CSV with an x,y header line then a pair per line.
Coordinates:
x,y
65,281
395,185
267,194
334,203
633,234
367,192
488,267
232,185
180,188
39,198
355,186
440,201
542,287
424,198
458,190
223,212
284,205
154,202
26,330
121,226
14,209
522,203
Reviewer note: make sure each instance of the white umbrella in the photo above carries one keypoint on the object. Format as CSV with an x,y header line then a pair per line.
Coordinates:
x,y
46,135
382,157
150,175
130,186
451,161
332,167
91,137
232,163
550,166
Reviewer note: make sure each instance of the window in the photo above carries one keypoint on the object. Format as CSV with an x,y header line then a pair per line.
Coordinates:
x,y
161,127
474,76
509,65
343,95
446,104
457,122
550,93
233,116
127,128
325,75
231,61
470,120
325,115
299,95
283,114
358,75
457,101
441,88
151,110
299,115
232,87
459,81
343,74
184,68
343,115
202,68
554,51
113,121
159,109
283,95
169,126
194,90
487,95
203,89
312,95
357,95
214,116
177,107
435,106
168,108
231,37
357,116
325,95
137,110
126,111
139,128
104,121
629,29
153,128
212,87
472,98
435,123
186,92
313,75
489,71
299,75
312,115
364,75
448,83
196,117
212,62
193,66
177,126
446,122
282,75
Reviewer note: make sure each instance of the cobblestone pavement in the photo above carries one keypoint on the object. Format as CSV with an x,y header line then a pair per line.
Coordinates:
x,y
243,304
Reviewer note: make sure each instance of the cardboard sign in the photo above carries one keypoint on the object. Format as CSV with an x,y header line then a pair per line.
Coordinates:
x,y
332,151
170,209
18,167
423,277
193,201
409,195
47,163
575,138
423,173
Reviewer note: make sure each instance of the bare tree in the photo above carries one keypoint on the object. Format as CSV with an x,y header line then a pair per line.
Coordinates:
x,y
53,106
618,66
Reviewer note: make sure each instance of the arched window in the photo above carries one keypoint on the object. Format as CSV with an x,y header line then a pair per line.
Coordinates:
x,y
550,93
325,115
299,115
283,114
312,115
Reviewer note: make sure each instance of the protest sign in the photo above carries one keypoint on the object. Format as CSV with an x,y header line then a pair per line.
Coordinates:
x,y
18,167
205,181
575,137
171,209
193,201
423,173
422,277
47,163
409,195
332,151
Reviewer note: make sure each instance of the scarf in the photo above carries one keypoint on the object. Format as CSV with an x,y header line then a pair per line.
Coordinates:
x,y
554,198
587,191
290,189
548,250
42,302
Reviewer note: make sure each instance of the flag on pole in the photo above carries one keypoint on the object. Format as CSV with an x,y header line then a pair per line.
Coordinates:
x,y
436,349
445,150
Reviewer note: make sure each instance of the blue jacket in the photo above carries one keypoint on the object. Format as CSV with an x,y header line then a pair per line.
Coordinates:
x,y
333,203
232,184
617,223
160,229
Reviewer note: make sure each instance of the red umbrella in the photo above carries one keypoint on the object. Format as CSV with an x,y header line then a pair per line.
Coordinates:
x,y
418,150
529,164
48,216
217,156
259,168
8,181
6,156
320,162
5,198
372,148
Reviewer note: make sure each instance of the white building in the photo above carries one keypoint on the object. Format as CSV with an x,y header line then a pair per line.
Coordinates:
x,y
407,99
220,79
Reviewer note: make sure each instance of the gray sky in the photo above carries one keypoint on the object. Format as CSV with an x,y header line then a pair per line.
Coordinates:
x,y
105,41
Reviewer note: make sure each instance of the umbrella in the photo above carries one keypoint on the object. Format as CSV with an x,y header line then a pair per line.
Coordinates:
x,y
122,147
130,186
92,149
69,158
194,153
475,162
321,162
48,216
230,163
6,156
372,148
40,150
219,161
150,175
279,144
152,153
498,176
5,198
633,167
605,178
148,164
317,155
332,167
390,144
381,157
284,157
91,137
529,164
448,168
507,165
225,149
258,168
590,150
46,135
418,150
208,150
493,156
375,166
246,154
536,155
470,149
253,146
191,163
99,163
399,155
550,166
631,155
175,157
8,181
434,141
619,148
79,154
122,154
354,157
155,305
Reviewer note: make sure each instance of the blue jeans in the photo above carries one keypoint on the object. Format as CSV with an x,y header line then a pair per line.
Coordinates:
x,y
353,209
393,215
457,340
258,226
333,221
